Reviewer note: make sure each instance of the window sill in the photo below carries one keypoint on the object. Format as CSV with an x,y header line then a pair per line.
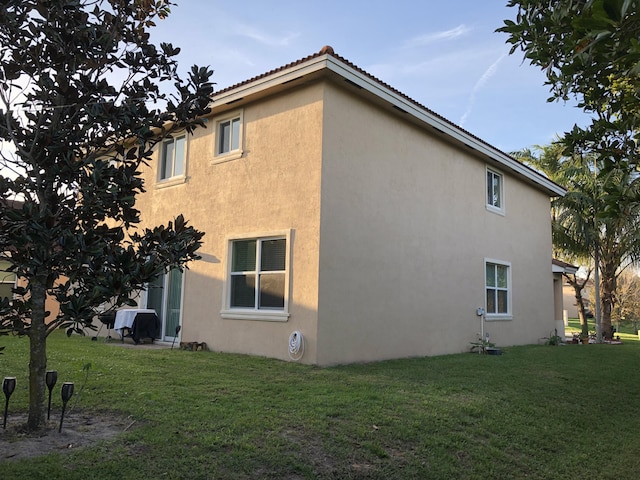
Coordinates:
x,y
169,182
496,210
498,318
260,315
227,157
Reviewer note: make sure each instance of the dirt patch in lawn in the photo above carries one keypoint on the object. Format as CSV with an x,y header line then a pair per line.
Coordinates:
x,y
79,430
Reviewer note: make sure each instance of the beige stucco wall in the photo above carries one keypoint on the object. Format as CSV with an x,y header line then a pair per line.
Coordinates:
x,y
273,187
558,304
569,300
404,235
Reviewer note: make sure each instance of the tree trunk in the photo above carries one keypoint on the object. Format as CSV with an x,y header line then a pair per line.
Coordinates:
x,y
582,313
607,308
577,288
37,358
608,286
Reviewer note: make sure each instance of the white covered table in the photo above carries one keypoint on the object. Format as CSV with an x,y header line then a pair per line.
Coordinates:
x,y
126,317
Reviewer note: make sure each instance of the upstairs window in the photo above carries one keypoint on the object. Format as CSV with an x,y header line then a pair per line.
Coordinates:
x,y
228,142
172,157
495,191
229,135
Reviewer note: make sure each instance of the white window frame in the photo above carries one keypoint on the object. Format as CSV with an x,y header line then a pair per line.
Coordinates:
x,y
490,204
257,313
232,153
173,178
508,315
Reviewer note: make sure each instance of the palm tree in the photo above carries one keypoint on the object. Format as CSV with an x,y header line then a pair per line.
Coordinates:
x,y
597,222
619,228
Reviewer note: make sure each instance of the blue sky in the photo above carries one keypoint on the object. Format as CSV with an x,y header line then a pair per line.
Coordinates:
x,y
445,55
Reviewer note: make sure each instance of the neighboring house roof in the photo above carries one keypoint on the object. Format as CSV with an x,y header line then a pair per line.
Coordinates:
x,y
12,203
558,266
327,64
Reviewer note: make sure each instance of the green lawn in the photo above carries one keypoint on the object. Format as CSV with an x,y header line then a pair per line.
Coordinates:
x,y
536,412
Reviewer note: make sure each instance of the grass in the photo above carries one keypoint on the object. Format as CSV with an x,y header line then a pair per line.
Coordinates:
x,y
537,412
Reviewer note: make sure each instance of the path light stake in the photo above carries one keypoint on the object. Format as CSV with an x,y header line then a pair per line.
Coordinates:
x,y
174,338
67,393
8,386
50,380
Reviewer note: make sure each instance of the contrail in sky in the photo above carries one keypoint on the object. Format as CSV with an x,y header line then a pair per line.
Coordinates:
x,y
479,84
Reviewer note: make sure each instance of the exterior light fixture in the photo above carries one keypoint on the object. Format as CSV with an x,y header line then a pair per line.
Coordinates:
x,y
178,327
50,379
67,393
8,386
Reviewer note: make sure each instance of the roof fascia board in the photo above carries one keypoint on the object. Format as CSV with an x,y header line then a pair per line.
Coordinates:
x,y
277,78
561,269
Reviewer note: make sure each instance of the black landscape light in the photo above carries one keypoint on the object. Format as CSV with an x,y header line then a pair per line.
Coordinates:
x,y
67,393
8,386
50,379
178,327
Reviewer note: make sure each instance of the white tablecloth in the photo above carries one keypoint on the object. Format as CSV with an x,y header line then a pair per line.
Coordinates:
x,y
126,316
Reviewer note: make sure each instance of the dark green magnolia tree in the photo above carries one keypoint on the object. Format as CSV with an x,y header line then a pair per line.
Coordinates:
x,y
590,51
81,108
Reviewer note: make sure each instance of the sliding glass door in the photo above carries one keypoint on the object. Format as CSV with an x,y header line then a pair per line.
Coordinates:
x,y
173,305
164,295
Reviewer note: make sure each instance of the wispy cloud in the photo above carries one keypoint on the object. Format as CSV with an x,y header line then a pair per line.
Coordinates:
x,y
265,38
442,74
429,38
482,81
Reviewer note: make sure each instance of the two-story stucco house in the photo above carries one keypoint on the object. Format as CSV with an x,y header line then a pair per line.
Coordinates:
x,y
337,207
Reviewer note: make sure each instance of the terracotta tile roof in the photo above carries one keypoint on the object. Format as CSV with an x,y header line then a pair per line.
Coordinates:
x,y
12,203
271,72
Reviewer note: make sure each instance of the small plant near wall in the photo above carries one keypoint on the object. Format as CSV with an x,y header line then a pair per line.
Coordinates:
x,y
481,346
554,339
